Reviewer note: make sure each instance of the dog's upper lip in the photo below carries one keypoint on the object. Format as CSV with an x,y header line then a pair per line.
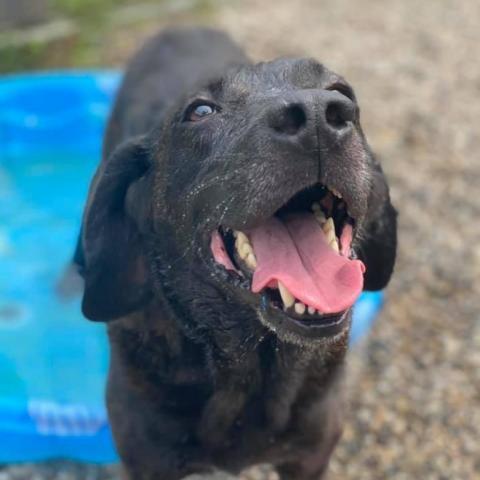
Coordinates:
x,y
251,221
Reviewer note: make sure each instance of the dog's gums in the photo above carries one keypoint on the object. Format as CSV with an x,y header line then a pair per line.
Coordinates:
x,y
300,261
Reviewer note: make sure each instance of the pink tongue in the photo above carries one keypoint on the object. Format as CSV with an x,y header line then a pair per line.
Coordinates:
x,y
295,252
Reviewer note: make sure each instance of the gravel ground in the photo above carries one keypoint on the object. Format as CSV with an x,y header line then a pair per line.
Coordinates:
x,y
415,388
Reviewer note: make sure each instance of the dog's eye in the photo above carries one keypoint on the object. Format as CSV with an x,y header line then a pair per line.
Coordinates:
x,y
199,111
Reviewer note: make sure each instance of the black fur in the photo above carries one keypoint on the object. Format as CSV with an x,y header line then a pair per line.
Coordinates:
x,y
202,374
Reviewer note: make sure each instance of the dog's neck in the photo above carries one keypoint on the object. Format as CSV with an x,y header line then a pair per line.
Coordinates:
x,y
262,382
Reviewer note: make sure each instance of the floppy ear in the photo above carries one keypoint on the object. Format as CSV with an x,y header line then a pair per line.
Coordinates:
x,y
379,244
110,255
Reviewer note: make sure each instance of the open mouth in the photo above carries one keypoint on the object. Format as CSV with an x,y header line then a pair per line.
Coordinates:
x,y
300,260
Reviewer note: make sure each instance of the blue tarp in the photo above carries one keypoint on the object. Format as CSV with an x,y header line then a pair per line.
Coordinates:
x,y
52,361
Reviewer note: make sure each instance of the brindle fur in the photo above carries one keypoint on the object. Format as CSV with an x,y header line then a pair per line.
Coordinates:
x,y
201,376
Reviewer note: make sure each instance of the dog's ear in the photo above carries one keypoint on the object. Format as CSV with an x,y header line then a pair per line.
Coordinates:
x,y
111,256
379,243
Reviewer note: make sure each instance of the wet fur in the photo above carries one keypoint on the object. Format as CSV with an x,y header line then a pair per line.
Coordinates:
x,y
199,379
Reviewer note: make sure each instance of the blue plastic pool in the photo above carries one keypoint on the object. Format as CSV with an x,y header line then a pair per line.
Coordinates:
x,y
53,362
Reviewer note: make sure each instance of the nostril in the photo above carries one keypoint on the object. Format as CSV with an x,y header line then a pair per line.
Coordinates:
x,y
290,120
339,113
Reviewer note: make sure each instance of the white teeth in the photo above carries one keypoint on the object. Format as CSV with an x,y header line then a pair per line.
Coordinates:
x,y
334,244
245,250
300,308
289,301
251,261
329,231
241,237
287,297
242,243
329,227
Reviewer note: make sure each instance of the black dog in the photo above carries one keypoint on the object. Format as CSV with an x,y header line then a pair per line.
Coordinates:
x,y
237,214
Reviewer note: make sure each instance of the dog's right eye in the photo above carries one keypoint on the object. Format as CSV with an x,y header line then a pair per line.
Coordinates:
x,y
198,111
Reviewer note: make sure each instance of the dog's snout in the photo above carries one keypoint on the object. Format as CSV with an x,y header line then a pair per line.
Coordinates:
x,y
309,113
288,119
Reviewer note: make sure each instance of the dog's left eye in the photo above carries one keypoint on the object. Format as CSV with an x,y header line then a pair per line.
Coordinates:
x,y
198,111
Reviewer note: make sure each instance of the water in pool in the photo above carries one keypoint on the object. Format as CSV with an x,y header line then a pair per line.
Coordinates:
x,y
42,338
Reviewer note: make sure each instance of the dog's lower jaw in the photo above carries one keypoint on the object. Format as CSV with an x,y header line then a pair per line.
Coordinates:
x,y
318,345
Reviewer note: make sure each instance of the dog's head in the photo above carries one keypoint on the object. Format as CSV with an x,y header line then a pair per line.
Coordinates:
x,y
256,204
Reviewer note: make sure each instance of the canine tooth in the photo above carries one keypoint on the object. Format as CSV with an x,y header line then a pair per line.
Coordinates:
x,y
251,261
334,244
311,310
300,308
240,237
316,207
245,250
287,297
329,231
329,225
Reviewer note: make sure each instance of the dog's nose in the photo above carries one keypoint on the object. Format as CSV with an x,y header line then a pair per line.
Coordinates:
x,y
326,112
339,111
288,119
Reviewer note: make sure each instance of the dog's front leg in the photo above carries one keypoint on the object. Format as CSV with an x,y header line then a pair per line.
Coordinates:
x,y
313,466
